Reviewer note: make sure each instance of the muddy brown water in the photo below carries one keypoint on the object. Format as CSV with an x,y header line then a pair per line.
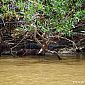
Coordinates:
x,y
42,71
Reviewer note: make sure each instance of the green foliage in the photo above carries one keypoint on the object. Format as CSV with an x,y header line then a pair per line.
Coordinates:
x,y
58,14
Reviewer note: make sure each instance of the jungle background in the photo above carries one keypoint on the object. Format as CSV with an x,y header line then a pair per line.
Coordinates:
x,y
52,26
35,35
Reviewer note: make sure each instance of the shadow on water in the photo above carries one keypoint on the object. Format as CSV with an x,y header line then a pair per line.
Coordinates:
x,y
76,59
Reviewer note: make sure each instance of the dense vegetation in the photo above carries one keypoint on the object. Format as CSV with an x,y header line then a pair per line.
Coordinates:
x,y
61,15
48,17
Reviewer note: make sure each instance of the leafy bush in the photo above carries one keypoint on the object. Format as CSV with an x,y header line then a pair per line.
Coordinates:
x,y
60,15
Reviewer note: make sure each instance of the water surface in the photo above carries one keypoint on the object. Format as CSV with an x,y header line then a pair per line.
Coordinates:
x,y
42,71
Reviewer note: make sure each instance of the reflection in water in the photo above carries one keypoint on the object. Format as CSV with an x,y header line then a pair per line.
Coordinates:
x,y
40,70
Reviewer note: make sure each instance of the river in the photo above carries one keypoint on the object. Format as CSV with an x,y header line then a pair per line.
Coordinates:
x,y
42,71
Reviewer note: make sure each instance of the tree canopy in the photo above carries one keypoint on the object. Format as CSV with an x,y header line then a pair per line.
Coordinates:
x,y
60,15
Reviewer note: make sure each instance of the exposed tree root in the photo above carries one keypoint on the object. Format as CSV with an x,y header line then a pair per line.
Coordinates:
x,y
80,41
44,45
